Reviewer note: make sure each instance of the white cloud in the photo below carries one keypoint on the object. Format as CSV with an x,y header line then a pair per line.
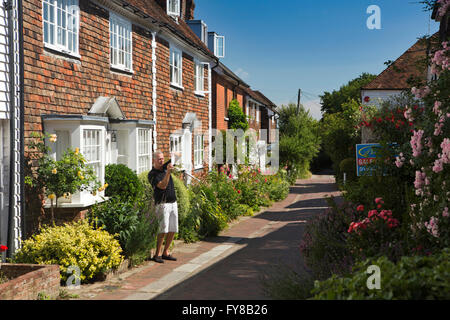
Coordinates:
x,y
241,73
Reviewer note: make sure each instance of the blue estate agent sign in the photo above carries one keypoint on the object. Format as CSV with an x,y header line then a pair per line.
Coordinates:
x,y
365,155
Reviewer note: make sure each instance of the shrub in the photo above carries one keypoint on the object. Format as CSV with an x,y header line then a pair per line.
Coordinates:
x,y
412,278
237,118
323,244
94,251
183,197
122,182
376,235
134,223
147,193
348,166
206,212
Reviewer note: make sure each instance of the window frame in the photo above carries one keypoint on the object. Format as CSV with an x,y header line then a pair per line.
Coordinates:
x,y
199,151
199,78
172,137
140,144
54,45
101,150
115,22
216,45
177,5
174,50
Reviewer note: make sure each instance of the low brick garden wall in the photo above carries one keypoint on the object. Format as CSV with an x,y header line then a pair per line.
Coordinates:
x,y
29,280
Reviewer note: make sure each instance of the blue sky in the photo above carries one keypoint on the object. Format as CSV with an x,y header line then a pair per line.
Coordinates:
x,y
278,47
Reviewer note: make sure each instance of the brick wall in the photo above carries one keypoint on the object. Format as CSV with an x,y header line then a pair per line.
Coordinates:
x,y
224,92
173,104
29,280
57,84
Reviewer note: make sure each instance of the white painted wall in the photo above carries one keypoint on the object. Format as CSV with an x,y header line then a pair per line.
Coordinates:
x,y
4,87
4,127
377,96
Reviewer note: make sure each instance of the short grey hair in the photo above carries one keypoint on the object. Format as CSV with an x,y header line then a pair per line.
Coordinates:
x,y
155,154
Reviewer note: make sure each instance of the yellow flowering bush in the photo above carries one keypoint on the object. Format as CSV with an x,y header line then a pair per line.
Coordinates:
x,y
93,251
59,178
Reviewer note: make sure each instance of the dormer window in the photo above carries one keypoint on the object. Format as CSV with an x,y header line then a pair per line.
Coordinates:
x,y
173,7
216,44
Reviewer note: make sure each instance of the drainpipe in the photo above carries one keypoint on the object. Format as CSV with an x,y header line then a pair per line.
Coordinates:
x,y
154,94
14,9
210,111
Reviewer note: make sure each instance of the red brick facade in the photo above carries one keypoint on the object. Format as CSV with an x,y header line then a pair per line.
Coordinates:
x,y
59,84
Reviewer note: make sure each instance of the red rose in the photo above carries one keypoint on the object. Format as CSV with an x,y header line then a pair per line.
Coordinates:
x,y
360,208
3,248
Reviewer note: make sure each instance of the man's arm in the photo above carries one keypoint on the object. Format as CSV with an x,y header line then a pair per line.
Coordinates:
x,y
164,182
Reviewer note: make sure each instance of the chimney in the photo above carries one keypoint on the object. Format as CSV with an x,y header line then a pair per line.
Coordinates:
x,y
189,10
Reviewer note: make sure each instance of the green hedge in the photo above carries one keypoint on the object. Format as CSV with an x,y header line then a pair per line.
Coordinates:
x,y
412,278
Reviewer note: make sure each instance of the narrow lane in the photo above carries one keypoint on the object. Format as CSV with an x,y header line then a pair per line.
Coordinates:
x,y
269,241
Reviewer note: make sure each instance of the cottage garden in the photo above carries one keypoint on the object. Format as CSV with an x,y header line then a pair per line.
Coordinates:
x,y
396,219
125,226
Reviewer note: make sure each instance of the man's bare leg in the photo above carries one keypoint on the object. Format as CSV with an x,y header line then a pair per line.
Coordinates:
x,y
159,243
169,240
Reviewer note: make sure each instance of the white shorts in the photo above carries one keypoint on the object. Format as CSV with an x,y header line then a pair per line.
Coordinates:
x,y
167,213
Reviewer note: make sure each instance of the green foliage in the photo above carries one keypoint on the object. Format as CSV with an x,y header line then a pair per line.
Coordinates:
x,y
324,242
412,278
348,166
237,118
183,197
133,222
58,178
146,186
94,251
299,139
340,134
333,102
122,182
205,211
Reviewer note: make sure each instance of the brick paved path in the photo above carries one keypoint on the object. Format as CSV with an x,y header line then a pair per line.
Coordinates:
x,y
231,265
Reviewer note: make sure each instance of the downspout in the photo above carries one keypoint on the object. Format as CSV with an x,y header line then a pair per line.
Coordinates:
x,y
154,94
15,219
210,89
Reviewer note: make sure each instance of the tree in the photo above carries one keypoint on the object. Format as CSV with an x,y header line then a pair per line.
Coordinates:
x,y
332,102
237,118
299,138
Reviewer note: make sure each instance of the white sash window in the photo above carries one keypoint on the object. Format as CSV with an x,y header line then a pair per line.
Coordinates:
x,y
92,150
120,43
176,67
144,150
61,20
173,7
198,151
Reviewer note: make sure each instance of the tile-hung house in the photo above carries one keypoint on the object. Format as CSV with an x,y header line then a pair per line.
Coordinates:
x,y
397,77
11,126
117,79
269,117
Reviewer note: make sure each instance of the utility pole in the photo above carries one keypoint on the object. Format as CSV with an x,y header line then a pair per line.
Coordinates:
x,y
298,101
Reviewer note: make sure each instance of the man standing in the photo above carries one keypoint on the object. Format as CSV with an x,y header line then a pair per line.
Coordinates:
x,y
166,205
